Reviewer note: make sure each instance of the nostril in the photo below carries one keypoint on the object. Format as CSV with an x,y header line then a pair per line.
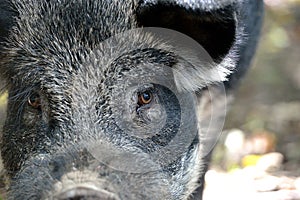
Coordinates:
x,y
85,193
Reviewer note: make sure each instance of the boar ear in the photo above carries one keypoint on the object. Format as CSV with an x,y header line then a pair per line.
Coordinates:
x,y
227,29
212,24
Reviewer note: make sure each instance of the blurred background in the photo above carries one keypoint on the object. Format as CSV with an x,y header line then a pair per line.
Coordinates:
x,y
265,115
258,155
267,105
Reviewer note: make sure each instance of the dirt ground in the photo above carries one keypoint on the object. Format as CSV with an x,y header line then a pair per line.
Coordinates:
x,y
250,184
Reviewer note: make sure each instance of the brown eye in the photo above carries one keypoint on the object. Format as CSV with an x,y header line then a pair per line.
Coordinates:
x,y
34,101
145,98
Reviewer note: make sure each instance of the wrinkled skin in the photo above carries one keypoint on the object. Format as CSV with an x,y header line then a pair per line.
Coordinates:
x,y
99,108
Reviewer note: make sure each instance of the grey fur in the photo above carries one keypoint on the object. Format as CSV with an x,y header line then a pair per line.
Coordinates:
x,y
87,62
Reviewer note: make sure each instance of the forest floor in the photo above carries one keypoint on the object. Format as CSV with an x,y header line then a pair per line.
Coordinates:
x,y
251,184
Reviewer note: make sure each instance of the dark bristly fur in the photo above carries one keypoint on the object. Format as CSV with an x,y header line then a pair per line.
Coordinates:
x,y
75,70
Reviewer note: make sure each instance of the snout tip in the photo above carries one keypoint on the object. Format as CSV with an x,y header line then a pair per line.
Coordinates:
x,y
86,193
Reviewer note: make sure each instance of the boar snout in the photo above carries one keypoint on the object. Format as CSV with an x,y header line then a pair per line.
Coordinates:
x,y
86,193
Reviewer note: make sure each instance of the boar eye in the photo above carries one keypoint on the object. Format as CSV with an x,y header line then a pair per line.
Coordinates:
x,y
145,98
34,101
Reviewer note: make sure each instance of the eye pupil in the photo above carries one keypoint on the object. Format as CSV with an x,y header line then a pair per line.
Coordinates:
x,y
34,101
145,98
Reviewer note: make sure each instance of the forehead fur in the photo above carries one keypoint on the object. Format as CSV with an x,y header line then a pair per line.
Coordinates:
x,y
54,38
48,32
